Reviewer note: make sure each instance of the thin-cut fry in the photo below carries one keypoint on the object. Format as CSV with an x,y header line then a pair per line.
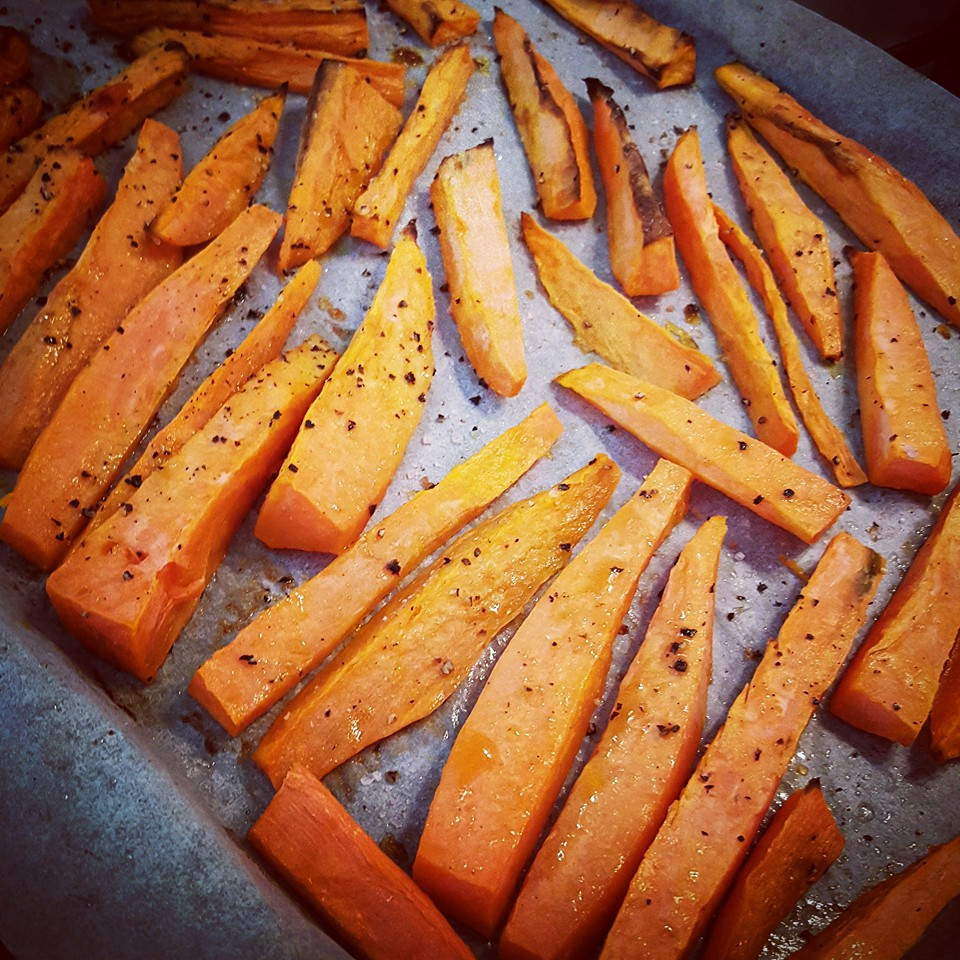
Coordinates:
x,y
828,438
20,109
745,469
885,210
437,21
605,322
708,831
551,126
131,585
420,647
120,264
642,252
14,55
377,210
479,270
266,660
945,712
717,284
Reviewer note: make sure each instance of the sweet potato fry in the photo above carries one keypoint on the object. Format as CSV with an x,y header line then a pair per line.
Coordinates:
x,y
793,237
665,55
112,400
945,712
492,804
131,585
266,660
419,648
717,284
883,208
580,876
693,859
795,850
551,126
120,264
476,260
20,109
377,210
904,439
221,186
374,907
347,128
828,438
889,687
607,323
642,252
14,55
746,470
354,437
437,21
42,226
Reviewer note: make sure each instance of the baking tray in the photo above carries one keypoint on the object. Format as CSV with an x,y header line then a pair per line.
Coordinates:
x,y
123,809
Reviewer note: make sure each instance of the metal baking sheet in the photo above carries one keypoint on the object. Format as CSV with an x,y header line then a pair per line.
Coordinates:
x,y
124,808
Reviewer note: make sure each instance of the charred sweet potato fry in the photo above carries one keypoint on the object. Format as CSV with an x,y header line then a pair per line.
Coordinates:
x,y
14,55
20,109
551,126
437,21
945,712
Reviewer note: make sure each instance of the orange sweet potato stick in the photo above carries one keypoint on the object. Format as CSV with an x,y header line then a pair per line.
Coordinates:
x,y
607,323
375,909
112,400
420,647
795,850
717,284
883,923
512,755
889,687
354,437
223,183
551,126
745,469
20,109
831,443
945,712
266,660
643,256
476,259
904,439
581,874
437,21
42,226
120,264
377,210
15,55
129,588
693,859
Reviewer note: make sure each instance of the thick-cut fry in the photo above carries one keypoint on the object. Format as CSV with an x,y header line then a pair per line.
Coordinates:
x,y
42,226
267,659
14,55
828,438
745,469
796,849
479,270
551,126
420,647
717,284
616,806
945,712
120,264
885,210
512,755
336,26
102,118
437,21
883,923
222,185
605,322
793,237
131,585
112,400
889,687
374,907
346,130
354,437
377,210
708,831
904,439
665,55
643,257
20,109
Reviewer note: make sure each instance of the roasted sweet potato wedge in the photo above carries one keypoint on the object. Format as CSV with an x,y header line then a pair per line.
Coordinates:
x,y
14,55
945,712
437,21
20,109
